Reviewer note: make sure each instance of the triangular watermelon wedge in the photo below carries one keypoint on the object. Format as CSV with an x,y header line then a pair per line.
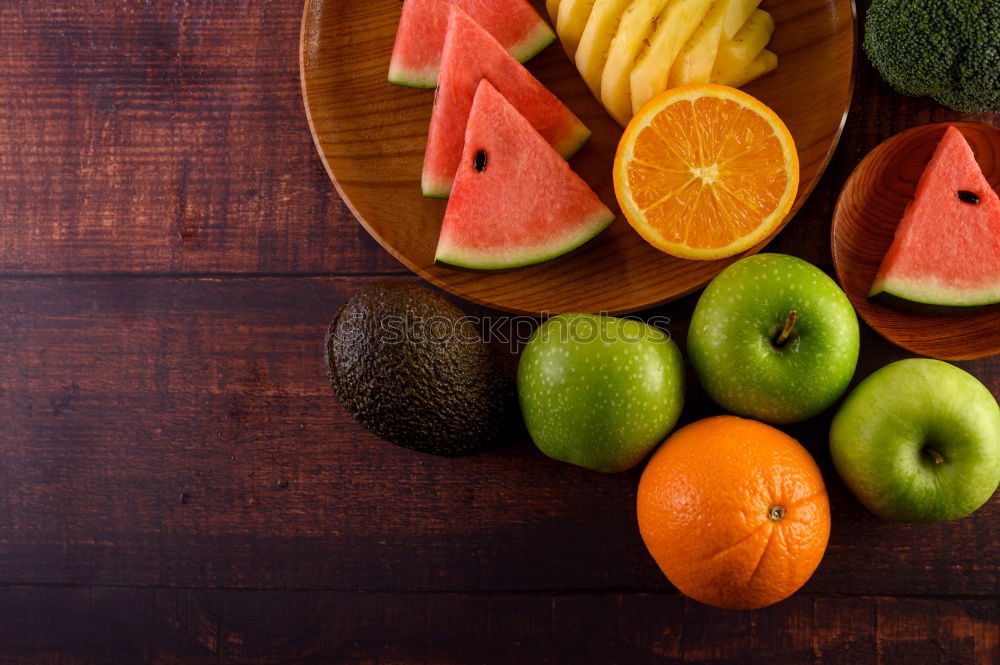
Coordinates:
x,y
515,201
472,54
945,257
416,55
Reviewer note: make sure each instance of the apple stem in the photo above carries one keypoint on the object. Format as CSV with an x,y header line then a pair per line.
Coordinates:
x,y
787,330
935,455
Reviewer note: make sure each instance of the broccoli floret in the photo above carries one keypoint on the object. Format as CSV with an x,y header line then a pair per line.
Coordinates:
x,y
945,49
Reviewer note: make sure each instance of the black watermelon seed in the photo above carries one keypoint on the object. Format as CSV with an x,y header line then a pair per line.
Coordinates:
x,y
479,162
967,196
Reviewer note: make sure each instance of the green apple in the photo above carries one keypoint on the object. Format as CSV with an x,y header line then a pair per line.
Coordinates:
x,y
598,391
919,441
774,338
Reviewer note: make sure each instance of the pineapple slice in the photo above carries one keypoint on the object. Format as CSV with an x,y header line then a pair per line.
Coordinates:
x,y
637,24
552,7
572,19
694,62
736,54
674,28
738,14
766,61
592,52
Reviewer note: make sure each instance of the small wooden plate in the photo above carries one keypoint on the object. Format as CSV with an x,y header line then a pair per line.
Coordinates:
x,y
371,136
869,209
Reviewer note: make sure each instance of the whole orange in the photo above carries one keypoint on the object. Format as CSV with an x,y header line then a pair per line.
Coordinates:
x,y
734,512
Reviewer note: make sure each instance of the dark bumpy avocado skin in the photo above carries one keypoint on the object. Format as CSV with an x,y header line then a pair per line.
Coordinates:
x,y
410,367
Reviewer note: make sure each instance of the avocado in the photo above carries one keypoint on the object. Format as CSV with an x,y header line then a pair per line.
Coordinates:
x,y
412,368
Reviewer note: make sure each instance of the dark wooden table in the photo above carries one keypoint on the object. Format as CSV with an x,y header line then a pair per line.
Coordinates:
x,y
177,482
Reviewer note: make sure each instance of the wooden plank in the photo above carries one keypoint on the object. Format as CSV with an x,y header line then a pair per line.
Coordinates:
x,y
842,631
181,432
924,631
105,626
784,633
716,636
117,625
170,138
164,137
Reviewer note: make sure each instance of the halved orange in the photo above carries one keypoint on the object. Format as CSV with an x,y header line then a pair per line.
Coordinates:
x,y
706,171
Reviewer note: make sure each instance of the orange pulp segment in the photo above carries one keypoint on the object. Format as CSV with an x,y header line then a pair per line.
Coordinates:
x,y
706,171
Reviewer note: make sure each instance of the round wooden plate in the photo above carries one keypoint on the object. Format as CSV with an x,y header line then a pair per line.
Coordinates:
x,y
371,135
869,209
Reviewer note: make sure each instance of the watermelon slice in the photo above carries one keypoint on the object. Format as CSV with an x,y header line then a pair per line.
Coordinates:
x,y
472,54
515,201
945,257
416,55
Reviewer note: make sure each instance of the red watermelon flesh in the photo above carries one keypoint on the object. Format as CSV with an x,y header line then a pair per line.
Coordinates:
x,y
515,201
946,252
472,54
416,55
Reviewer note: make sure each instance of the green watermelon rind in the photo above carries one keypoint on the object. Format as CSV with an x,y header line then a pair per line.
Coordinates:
x,y
593,227
928,309
524,51
424,80
571,144
440,189
534,43
932,298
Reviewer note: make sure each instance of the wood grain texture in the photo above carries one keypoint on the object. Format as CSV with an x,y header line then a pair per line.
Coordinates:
x,y
371,136
182,433
163,137
868,211
119,395
113,626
